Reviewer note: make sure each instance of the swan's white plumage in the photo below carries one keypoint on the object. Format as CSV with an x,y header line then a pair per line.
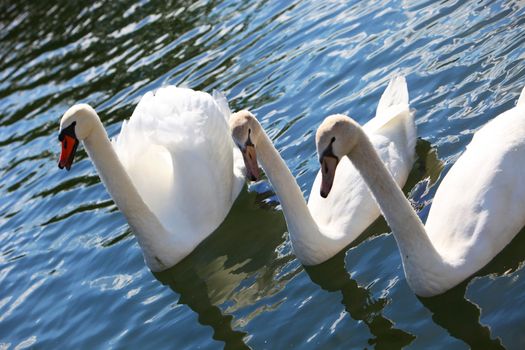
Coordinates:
x,y
480,204
350,207
178,152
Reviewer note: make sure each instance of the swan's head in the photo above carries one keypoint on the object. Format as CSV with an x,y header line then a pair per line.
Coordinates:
x,y
245,132
76,124
336,137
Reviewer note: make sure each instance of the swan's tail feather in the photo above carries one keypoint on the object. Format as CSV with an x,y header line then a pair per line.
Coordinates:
x,y
396,93
393,111
521,100
393,108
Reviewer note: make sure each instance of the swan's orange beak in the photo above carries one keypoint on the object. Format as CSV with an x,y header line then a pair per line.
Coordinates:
x,y
69,148
328,166
250,162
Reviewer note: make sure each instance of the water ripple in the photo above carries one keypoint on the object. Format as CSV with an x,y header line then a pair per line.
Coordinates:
x,y
71,271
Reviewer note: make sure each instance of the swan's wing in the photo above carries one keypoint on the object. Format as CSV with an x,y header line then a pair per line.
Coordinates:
x,y
394,118
350,208
396,93
178,151
480,204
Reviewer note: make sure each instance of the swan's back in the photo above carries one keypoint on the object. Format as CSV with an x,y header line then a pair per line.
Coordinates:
x,y
177,149
480,205
350,208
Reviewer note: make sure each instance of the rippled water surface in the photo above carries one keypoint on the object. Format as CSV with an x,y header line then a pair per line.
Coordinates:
x,y
71,272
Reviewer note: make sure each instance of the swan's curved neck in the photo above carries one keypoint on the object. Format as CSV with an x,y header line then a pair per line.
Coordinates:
x,y
145,225
423,265
304,232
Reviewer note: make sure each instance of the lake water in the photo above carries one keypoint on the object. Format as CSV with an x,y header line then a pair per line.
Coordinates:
x,y
71,272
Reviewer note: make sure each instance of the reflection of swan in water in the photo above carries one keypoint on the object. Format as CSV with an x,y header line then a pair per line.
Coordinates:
x,y
244,246
332,276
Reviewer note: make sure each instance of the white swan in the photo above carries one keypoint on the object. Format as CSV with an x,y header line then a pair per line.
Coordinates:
x,y
173,170
326,226
477,210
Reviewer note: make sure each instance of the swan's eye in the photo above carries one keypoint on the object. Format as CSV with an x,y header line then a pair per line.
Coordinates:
x,y
70,131
332,140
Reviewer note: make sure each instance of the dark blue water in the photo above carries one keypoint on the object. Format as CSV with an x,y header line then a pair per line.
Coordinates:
x,y
71,272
